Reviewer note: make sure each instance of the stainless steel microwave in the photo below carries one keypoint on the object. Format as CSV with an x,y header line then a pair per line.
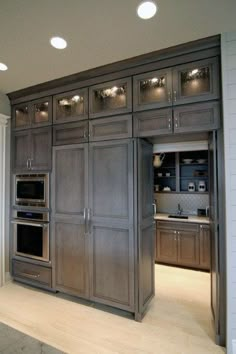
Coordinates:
x,y
32,190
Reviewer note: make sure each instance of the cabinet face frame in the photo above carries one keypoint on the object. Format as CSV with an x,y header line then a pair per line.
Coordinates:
x,y
211,109
154,117
18,106
128,108
41,100
66,129
137,104
73,118
30,105
111,123
214,92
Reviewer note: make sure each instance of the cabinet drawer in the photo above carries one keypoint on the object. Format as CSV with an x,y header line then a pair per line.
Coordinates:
x,y
177,226
118,127
152,123
71,133
32,273
197,117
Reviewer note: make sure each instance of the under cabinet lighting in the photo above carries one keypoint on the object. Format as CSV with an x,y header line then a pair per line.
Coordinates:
x,y
3,67
58,42
147,9
76,98
194,72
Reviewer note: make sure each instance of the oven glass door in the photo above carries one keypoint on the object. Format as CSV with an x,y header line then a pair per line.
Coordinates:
x,y
30,190
32,240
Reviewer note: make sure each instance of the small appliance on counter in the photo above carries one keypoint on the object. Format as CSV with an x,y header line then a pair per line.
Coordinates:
x,y
201,212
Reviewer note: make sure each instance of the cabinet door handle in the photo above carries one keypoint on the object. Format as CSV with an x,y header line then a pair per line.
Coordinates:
x,y
85,134
175,96
30,163
89,219
169,96
27,164
29,275
85,221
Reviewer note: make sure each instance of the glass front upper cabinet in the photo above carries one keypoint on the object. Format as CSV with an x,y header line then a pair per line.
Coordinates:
x,y
152,90
42,112
110,98
70,106
21,116
196,81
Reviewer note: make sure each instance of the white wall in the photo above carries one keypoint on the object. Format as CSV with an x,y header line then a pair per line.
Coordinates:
x,y
229,119
5,140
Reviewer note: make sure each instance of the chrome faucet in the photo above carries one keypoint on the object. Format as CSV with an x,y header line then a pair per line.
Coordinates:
x,y
180,210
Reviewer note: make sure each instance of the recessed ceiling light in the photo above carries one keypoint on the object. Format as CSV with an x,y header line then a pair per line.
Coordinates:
x,y
147,9
3,67
58,42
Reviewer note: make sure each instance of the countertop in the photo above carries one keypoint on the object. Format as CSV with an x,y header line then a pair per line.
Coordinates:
x,y
191,218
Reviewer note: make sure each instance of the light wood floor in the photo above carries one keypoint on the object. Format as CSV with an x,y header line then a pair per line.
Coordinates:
x,y
178,320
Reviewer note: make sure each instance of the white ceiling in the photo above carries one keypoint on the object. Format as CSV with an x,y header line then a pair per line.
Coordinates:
x,y
98,32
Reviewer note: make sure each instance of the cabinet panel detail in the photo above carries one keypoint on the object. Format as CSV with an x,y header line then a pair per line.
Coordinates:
x,y
153,123
41,148
33,273
70,106
69,182
71,133
111,265
188,248
111,128
196,81
152,90
167,246
205,250
71,258
110,98
110,181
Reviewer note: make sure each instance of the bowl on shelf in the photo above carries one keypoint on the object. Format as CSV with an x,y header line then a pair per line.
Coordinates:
x,y
201,160
166,189
159,174
167,174
187,160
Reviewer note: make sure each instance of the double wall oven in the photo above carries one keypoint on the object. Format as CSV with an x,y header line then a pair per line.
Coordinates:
x,y
31,227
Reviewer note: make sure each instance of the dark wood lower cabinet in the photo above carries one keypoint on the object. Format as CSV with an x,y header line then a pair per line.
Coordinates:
x,y
167,250
97,253
71,258
183,244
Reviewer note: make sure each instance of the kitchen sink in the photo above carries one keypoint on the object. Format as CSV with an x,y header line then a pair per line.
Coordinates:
x,y
178,216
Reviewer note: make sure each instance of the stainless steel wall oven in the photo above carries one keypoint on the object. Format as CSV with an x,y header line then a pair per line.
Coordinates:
x,y
31,234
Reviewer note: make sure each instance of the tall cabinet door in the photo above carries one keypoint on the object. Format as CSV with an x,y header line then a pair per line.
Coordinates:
x,y
111,223
146,242
41,149
70,200
21,150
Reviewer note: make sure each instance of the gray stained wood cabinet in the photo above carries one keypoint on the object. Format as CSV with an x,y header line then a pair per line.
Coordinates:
x,y
32,274
71,133
183,244
110,98
70,240
70,106
197,117
94,241
32,114
196,81
32,149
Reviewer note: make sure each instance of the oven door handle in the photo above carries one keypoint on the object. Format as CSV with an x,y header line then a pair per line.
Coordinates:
x,y
29,223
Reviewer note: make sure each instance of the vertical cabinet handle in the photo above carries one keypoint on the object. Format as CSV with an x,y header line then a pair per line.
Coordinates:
x,y
175,96
27,164
30,163
89,220
85,221
169,125
169,96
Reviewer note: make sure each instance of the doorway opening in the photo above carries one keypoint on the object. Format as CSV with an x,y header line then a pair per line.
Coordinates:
x,y
189,228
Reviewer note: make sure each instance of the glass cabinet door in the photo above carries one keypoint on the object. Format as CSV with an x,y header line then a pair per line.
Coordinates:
x,y
42,112
70,106
197,81
21,116
153,90
110,98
